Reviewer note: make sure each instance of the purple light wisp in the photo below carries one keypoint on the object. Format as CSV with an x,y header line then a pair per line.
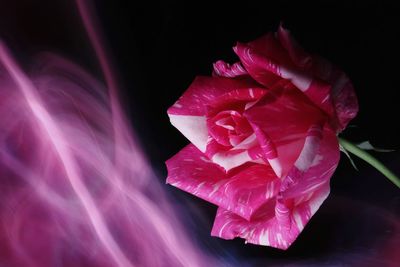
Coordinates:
x,y
76,188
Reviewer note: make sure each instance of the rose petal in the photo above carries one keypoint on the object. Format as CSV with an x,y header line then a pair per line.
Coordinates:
x,y
236,99
266,60
344,100
281,121
342,92
242,191
254,63
269,46
299,199
297,54
188,114
234,157
223,69
267,230
203,91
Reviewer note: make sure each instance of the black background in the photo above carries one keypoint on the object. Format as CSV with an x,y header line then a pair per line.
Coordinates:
x,y
159,48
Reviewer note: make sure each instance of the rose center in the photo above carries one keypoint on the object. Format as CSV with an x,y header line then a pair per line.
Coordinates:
x,y
229,127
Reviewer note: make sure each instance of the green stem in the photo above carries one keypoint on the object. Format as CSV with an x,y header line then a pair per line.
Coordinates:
x,y
370,159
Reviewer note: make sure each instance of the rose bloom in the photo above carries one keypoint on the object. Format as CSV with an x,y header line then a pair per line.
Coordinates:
x,y
263,135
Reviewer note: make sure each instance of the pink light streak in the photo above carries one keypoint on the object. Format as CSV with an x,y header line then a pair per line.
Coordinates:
x,y
78,191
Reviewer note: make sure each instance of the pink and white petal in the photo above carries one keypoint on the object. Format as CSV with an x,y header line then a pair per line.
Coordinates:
x,y
243,190
269,69
320,171
229,158
269,46
284,116
223,69
236,99
310,148
248,150
342,93
194,128
262,70
188,114
203,91
265,229
318,91
297,54
266,150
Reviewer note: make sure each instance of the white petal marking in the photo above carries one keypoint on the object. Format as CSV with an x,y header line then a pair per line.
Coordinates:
x,y
193,128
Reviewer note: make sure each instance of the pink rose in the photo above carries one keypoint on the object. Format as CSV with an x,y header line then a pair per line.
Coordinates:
x,y
263,134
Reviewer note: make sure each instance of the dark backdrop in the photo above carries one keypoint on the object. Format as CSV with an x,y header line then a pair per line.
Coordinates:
x,y
159,48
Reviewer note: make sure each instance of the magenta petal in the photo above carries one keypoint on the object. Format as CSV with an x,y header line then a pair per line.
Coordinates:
x,y
285,116
267,61
269,46
203,91
264,70
242,191
267,230
319,172
280,222
297,54
343,95
223,69
342,92
188,114
345,101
